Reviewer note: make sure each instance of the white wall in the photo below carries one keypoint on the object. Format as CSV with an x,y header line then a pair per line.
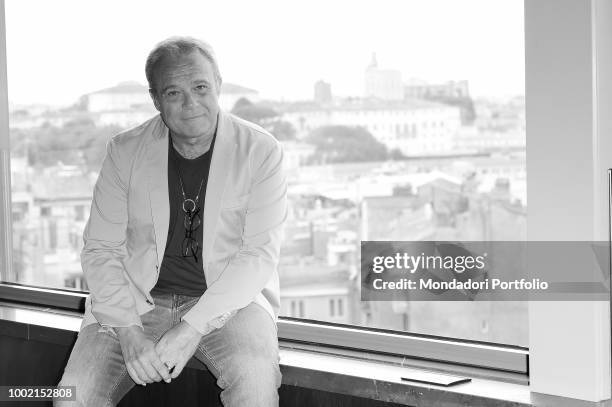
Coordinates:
x,y
569,148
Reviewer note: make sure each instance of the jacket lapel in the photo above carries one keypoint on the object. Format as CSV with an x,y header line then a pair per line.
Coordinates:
x,y
221,162
157,162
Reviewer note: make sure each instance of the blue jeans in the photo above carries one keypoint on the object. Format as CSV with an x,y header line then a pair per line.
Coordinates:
x,y
243,356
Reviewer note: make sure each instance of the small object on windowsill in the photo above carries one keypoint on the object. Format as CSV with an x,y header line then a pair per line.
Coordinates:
x,y
438,379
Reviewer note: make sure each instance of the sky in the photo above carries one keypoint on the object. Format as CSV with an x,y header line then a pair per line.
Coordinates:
x,y
59,50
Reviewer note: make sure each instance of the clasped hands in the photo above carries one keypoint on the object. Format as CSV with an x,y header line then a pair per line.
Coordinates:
x,y
148,362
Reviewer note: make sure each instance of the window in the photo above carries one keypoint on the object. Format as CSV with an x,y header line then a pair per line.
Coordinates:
x,y
51,234
59,128
79,212
76,281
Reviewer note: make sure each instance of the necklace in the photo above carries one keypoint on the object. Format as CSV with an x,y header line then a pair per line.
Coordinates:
x,y
189,201
190,205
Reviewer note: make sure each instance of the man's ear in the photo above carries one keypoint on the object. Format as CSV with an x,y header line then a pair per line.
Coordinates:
x,y
154,98
219,83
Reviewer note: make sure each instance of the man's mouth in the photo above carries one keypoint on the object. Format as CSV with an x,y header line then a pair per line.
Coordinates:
x,y
194,117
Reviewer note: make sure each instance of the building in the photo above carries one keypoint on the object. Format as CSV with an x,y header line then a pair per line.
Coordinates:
x,y
414,127
401,218
384,84
474,140
502,115
444,208
296,154
322,92
126,104
129,103
312,290
447,90
318,274
122,97
50,212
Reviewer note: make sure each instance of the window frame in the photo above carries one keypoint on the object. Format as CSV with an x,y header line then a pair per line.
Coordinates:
x,y
568,60
502,358
41,296
6,238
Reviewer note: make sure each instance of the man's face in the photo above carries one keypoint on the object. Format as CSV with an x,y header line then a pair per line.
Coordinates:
x,y
186,94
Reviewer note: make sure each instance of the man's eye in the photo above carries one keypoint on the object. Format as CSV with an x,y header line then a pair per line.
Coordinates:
x,y
172,93
201,87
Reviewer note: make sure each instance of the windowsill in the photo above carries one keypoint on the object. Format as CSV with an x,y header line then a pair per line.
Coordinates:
x,y
380,381
307,368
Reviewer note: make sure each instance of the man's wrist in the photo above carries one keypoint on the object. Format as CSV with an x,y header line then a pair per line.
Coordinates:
x,y
190,330
132,330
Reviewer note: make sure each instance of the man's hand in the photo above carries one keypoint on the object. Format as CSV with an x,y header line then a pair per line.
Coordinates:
x,y
177,346
141,360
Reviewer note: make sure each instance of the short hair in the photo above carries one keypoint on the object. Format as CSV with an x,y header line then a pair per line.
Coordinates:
x,y
174,47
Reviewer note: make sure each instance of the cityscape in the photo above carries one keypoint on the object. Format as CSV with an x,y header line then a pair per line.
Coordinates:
x,y
405,160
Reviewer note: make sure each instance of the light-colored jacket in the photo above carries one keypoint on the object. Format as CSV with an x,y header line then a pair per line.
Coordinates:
x,y
126,234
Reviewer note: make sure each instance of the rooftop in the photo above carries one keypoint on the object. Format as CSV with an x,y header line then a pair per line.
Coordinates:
x,y
136,87
57,187
232,88
370,104
124,87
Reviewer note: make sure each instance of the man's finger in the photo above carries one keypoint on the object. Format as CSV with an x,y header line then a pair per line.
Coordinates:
x,y
142,372
167,361
162,369
152,372
178,368
134,375
148,363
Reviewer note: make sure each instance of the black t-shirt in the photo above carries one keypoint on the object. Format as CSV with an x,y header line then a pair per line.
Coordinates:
x,y
178,274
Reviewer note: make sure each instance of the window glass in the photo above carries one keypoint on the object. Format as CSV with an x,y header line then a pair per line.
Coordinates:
x,y
399,121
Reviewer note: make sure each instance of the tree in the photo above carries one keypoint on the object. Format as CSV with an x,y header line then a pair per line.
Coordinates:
x,y
255,113
396,154
281,129
77,142
338,144
265,117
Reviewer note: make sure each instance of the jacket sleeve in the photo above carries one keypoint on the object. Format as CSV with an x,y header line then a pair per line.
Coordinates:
x,y
251,268
112,304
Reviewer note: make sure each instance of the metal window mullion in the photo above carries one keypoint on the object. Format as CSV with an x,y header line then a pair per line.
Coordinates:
x,y
6,250
497,357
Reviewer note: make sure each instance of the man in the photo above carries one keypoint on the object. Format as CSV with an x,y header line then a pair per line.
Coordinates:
x,y
182,244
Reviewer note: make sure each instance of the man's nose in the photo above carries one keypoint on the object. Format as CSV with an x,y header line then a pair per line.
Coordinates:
x,y
189,100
